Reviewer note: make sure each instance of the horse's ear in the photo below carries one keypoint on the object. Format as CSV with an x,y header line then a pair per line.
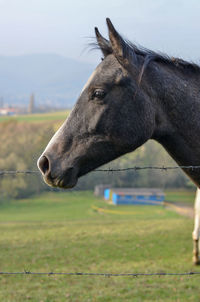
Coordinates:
x,y
103,43
120,48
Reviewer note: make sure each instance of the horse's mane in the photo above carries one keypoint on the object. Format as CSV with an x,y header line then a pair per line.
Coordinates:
x,y
132,51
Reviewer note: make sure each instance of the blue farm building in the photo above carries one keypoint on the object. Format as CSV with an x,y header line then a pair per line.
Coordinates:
x,y
130,196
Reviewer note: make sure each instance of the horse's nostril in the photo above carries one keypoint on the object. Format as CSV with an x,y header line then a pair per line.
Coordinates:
x,y
43,164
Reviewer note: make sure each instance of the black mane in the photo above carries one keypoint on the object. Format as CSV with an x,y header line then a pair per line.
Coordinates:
x,y
131,51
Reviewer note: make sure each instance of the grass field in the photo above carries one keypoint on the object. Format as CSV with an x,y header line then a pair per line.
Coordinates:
x,y
181,196
61,232
38,117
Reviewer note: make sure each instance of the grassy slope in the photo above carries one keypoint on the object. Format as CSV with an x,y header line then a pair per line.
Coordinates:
x,y
181,196
61,232
38,117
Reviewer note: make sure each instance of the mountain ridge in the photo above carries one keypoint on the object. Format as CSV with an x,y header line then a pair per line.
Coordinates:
x,y
54,79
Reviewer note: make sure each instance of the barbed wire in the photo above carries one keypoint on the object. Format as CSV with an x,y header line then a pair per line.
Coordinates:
x,y
135,168
6,172
147,168
101,274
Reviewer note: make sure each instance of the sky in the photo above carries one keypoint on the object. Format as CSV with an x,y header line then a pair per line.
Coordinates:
x,y
64,26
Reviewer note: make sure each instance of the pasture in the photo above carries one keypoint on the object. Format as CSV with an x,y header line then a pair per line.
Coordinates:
x,y
38,117
60,232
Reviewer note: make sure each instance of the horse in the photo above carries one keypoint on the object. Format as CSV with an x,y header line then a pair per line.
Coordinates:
x,y
134,94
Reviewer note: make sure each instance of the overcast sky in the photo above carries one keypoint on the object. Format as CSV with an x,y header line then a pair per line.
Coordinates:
x,y
62,26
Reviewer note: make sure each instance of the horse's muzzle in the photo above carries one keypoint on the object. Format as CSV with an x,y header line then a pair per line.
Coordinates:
x,y
56,178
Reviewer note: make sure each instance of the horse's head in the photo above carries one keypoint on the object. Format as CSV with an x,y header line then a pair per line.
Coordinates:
x,y
112,116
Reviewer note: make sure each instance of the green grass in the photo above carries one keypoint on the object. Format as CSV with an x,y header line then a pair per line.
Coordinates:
x,y
61,232
181,196
38,117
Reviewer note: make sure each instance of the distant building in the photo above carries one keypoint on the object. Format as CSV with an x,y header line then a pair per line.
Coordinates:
x,y
1,102
31,106
99,189
9,111
134,196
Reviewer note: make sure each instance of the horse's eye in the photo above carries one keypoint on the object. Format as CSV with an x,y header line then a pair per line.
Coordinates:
x,y
99,93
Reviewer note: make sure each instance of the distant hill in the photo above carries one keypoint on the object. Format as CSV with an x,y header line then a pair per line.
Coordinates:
x,y
54,79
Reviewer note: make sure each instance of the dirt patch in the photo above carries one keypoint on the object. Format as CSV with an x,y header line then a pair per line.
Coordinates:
x,y
181,209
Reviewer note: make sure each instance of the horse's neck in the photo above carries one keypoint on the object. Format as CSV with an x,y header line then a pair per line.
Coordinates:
x,y
178,120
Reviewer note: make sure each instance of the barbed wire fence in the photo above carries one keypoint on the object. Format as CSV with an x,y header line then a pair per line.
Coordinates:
x,y
100,274
135,168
